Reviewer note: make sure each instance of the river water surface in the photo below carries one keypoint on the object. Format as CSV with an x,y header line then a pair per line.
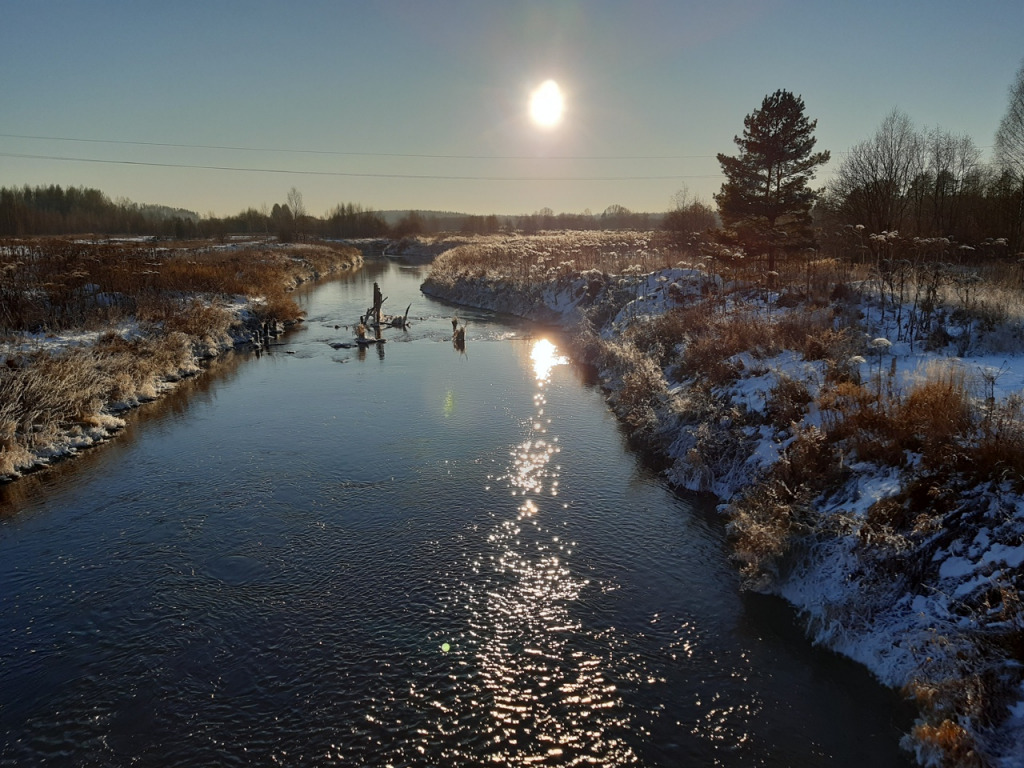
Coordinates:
x,y
409,555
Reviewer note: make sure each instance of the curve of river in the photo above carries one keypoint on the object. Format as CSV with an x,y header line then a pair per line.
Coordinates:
x,y
404,556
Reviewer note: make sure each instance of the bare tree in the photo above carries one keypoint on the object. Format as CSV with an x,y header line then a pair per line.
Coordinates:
x,y
689,217
952,171
298,210
872,184
295,202
1010,148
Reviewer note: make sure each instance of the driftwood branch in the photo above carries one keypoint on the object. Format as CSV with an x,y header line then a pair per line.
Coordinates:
x,y
376,319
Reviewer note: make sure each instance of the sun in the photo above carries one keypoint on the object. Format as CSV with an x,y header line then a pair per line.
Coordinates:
x,y
547,104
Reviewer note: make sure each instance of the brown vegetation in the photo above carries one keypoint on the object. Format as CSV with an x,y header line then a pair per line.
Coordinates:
x,y
955,445
152,311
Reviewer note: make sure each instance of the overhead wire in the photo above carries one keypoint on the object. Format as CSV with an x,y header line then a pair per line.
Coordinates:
x,y
352,153
356,174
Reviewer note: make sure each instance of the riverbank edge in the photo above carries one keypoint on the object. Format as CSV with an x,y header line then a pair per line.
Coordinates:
x,y
914,654
246,330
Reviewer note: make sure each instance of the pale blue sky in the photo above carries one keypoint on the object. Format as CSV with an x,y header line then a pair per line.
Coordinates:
x,y
328,90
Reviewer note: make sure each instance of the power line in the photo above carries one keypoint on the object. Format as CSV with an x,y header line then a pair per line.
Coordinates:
x,y
438,177
339,153
353,154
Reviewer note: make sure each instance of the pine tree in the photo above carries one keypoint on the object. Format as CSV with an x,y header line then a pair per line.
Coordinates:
x,y
766,190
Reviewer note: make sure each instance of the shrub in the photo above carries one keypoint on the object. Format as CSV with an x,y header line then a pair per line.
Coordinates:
x,y
935,416
763,520
946,743
787,401
998,453
707,355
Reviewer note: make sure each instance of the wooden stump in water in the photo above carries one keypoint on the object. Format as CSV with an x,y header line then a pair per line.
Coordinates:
x,y
378,300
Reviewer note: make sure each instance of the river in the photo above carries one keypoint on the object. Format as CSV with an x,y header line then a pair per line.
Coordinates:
x,y
408,555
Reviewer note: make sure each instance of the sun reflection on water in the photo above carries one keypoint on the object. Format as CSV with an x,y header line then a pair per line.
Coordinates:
x,y
545,356
544,679
526,681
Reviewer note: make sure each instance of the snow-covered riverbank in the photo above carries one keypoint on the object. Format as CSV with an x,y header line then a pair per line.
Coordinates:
x,y
63,391
911,568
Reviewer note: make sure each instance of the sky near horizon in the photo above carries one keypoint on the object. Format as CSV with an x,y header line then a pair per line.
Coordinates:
x,y
222,105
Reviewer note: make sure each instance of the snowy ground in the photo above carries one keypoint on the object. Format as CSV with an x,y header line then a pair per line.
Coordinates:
x,y
105,425
927,633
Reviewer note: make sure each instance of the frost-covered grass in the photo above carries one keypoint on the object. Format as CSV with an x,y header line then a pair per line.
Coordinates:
x,y
862,424
88,329
55,285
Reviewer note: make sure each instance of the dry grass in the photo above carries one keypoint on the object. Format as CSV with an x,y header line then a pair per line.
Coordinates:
x,y
56,285
787,401
998,452
708,355
700,339
945,429
936,415
937,420
812,332
44,394
178,296
947,742
974,687
527,261
643,390
764,519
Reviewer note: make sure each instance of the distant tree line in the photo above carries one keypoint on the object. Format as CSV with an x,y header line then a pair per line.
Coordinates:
x,y
923,183
615,217
53,210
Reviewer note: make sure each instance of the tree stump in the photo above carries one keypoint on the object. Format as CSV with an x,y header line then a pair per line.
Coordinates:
x,y
378,299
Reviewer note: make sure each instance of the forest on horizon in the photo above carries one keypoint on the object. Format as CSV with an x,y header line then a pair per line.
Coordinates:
x,y
54,210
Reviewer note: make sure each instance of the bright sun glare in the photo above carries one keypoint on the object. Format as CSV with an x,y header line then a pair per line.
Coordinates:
x,y
545,357
547,104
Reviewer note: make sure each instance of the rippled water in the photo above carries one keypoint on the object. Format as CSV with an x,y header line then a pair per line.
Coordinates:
x,y
407,555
